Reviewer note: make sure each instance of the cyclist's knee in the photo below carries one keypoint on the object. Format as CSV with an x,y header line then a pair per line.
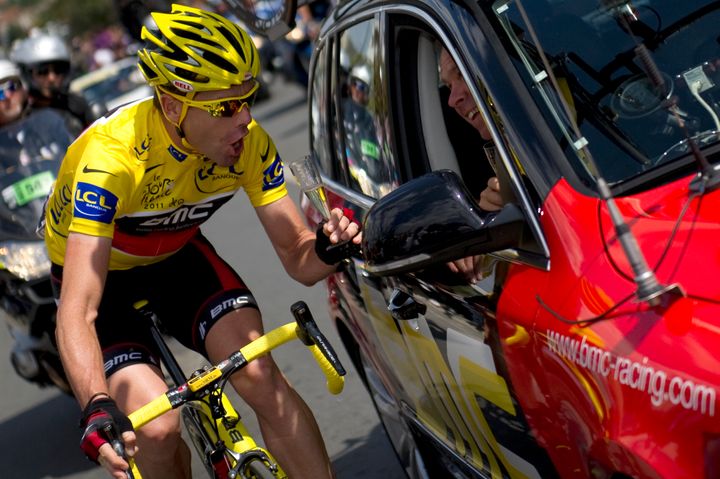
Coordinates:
x,y
161,436
260,382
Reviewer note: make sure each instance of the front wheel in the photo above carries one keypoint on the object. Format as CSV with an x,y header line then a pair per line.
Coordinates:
x,y
257,469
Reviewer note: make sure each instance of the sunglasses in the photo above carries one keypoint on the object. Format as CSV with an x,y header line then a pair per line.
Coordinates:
x,y
59,68
222,107
361,85
8,87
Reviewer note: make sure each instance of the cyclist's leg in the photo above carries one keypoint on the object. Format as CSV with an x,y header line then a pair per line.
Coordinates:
x,y
134,377
226,319
131,363
162,452
287,424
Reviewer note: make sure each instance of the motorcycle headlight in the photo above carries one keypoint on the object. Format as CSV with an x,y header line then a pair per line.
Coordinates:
x,y
26,260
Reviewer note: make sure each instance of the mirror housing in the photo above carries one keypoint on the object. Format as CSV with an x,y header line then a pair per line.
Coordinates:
x,y
273,24
431,220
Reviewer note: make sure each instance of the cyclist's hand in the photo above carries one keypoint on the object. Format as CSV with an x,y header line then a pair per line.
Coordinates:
x,y
100,420
338,238
340,227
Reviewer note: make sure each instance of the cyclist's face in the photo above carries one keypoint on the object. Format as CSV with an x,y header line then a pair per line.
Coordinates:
x,y
460,98
219,138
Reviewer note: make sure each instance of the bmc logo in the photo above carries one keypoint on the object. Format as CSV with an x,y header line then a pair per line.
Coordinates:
x,y
234,303
186,214
122,358
94,203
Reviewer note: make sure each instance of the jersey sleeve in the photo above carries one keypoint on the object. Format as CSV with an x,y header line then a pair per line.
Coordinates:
x,y
264,174
101,181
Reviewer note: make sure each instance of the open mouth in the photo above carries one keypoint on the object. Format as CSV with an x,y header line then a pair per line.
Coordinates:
x,y
471,114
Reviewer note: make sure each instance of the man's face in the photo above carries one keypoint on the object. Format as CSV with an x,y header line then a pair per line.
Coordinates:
x,y
12,100
49,77
460,98
359,91
218,138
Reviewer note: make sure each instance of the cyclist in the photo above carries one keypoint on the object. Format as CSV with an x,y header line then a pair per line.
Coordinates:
x,y
45,61
123,224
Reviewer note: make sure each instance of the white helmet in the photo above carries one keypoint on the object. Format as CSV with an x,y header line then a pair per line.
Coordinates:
x,y
8,69
361,72
41,48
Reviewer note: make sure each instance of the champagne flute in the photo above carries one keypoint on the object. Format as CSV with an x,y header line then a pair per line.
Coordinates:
x,y
307,174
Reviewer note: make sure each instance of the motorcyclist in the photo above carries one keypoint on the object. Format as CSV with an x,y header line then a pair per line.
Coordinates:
x,y
45,62
13,96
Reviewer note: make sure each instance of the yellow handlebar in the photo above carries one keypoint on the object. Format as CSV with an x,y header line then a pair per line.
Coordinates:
x,y
155,408
282,335
259,347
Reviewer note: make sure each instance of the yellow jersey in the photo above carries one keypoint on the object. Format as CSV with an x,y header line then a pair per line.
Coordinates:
x,y
124,179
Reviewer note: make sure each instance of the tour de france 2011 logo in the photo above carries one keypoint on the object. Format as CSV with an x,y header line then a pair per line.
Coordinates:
x,y
94,203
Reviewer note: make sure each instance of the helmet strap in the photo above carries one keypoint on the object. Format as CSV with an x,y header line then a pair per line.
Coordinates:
x,y
178,125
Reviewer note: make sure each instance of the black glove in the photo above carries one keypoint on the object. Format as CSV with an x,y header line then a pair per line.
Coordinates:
x,y
98,415
332,253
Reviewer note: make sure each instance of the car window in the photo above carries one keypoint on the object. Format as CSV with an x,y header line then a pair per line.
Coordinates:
x,y
318,114
362,111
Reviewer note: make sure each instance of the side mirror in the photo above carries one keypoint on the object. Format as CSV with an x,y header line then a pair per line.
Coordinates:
x,y
431,220
271,19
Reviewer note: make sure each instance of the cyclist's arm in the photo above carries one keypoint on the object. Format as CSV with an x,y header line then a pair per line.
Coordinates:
x,y
84,273
294,243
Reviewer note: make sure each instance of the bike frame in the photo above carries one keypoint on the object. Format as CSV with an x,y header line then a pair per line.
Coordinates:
x,y
208,413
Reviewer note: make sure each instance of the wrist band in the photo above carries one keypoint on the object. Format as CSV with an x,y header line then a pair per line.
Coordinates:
x,y
95,396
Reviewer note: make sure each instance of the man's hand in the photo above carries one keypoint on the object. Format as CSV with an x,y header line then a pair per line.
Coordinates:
x,y
490,199
97,417
470,268
336,230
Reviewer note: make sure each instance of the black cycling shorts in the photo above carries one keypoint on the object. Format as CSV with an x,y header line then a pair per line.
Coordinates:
x,y
190,291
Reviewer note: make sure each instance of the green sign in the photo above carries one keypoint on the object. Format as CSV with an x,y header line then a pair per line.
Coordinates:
x,y
31,188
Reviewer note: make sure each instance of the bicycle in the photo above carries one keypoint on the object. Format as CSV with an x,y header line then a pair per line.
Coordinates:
x,y
221,439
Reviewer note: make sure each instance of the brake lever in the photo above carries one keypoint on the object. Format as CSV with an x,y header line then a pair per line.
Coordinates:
x,y
310,334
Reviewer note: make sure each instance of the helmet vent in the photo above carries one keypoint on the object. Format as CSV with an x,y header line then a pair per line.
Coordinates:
x,y
219,61
233,41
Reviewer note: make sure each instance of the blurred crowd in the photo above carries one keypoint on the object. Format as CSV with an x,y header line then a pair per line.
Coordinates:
x,y
40,66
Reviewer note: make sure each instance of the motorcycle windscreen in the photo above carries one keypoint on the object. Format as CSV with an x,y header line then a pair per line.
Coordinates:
x,y
30,154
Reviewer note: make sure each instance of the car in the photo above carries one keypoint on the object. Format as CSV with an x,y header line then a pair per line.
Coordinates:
x,y
112,85
587,347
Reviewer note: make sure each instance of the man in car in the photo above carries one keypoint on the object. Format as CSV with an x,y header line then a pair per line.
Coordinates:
x,y
124,222
45,61
462,102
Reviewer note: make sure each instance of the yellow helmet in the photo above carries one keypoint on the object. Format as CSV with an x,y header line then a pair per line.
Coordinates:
x,y
195,50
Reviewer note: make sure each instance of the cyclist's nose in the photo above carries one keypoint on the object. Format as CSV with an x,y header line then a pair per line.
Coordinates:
x,y
243,117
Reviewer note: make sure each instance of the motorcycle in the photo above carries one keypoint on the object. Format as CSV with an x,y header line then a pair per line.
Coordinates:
x,y
31,150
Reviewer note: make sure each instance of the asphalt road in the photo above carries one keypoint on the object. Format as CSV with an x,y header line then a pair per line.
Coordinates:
x,y
38,427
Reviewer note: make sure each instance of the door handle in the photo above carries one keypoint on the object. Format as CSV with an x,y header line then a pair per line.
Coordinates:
x,y
403,307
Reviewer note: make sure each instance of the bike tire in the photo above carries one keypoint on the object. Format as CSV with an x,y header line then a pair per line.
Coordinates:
x,y
198,436
257,469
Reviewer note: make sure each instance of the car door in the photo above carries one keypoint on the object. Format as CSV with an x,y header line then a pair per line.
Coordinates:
x,y
462,396
444,366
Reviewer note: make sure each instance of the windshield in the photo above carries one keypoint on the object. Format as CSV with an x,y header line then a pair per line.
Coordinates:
x,y
632,80
31,150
